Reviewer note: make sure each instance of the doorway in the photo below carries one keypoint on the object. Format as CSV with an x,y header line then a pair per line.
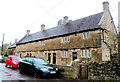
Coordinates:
x,y
74,56
54,58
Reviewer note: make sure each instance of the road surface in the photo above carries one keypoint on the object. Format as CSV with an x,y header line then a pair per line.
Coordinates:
x,y
6,73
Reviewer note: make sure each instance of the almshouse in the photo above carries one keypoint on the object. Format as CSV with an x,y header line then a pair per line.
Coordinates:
x,y
85,39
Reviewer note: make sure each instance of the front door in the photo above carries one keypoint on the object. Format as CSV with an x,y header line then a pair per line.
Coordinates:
x,y
49,57
74,55
54,58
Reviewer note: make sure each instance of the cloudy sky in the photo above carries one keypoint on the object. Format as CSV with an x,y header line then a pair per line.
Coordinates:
x,y
17,16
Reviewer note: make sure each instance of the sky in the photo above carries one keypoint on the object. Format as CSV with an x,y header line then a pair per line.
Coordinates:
x,y
17,16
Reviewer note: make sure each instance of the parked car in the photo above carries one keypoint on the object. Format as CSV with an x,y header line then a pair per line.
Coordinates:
x,y
37,67
12,61
1,58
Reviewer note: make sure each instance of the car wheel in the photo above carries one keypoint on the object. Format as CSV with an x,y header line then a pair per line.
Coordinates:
x,y
11,66
20,70
36,73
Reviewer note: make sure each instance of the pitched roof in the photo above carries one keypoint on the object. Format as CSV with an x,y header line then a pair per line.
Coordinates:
x,y
12,46
86,23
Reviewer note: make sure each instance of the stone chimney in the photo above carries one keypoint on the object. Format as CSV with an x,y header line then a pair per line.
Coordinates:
x,y
105,6
27,32
15,40
65,19
42,27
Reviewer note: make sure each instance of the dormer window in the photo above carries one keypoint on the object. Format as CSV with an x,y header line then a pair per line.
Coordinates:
x,y
66,39
85,35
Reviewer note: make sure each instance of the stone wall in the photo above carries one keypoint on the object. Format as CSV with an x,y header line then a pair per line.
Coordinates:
x,y
104,71
76,41
76,71
91,71
76,44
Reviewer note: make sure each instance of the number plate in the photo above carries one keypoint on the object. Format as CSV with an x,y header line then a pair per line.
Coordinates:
x,y
53,72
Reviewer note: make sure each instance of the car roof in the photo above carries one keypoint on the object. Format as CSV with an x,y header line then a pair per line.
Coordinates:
x,y
34,58
12,56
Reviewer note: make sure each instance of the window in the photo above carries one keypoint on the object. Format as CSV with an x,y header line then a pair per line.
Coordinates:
x,y
41,54
85,35
40,43
66,39
86,53
65,54
89,53
83,53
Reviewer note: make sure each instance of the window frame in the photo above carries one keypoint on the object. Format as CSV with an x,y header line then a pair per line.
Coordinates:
x,y
85,35
40,43
85,53
65,39
64,54
41,54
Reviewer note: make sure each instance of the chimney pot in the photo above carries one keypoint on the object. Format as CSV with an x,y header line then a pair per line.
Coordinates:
x,y
42,27
27,32
65,17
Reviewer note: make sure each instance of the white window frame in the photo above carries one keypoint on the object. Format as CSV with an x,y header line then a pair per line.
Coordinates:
x,y
85,53
41,54
85,35
65,39
64,54
89,53
40,43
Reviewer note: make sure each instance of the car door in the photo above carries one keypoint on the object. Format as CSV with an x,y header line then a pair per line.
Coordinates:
x,y
9,61
31,66
24,64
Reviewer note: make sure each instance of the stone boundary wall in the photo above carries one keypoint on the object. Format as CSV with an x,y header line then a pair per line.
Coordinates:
x,y
75,71
104,71
91,71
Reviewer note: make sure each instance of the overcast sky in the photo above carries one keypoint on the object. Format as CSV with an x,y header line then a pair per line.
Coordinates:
x,y
17,16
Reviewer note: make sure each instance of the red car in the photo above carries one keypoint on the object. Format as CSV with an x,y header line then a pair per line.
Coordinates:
x,y
12,61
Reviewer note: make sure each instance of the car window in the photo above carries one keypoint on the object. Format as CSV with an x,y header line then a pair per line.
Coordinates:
x,y
10,58
40,61
16,58
28,60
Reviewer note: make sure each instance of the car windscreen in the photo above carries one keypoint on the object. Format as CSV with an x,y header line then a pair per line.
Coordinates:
x,y
40,61
16,58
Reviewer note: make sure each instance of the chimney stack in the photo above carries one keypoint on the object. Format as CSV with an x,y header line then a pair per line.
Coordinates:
x,y
105,6
42,27
65,17
27,32
15,40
